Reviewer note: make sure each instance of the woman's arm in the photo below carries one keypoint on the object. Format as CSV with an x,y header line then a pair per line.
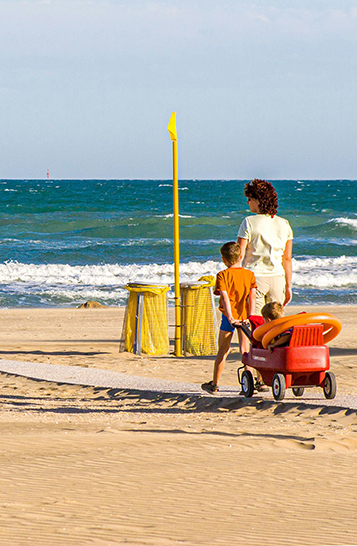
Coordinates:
x,y
287,265
252,299
243,247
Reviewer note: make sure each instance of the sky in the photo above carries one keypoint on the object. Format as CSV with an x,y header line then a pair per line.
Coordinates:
x,y
262,89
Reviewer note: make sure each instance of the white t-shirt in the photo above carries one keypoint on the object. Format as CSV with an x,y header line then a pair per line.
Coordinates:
x,y
267,238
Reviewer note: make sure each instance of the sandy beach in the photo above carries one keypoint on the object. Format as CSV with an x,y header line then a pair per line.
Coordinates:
x,y
86,465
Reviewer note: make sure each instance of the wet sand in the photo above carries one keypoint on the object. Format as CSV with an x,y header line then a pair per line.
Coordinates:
x,y
85,465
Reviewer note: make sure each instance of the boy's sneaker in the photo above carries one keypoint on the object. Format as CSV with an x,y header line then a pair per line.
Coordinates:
x,y
210,387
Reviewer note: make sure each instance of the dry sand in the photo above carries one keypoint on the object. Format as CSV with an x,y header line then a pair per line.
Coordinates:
x,y
80,465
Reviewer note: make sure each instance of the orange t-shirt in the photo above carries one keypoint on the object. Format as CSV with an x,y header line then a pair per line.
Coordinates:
x,y
237,282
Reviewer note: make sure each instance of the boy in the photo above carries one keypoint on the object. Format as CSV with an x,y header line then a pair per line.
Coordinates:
x,y
271,311
237,290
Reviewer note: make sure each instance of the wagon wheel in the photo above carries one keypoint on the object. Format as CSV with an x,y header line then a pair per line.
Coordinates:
x,y
330,385
247,384
298,391
278,386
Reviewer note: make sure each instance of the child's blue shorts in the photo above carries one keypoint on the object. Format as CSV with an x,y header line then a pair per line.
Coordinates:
x,y
226,325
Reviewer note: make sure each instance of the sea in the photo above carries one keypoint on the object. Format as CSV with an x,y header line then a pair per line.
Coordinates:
x,y
64,242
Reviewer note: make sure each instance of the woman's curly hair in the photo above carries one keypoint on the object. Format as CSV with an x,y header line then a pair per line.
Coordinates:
x,y
264,192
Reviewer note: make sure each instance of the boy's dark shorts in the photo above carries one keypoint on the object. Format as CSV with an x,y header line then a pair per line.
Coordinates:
x,y
226,325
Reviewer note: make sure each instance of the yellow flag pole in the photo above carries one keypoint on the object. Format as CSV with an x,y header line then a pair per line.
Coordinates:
x,y
173,135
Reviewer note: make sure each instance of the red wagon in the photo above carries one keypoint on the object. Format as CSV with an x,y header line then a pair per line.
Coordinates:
x,y
305,362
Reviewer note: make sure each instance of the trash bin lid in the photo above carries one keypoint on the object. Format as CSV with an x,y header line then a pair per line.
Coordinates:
x,y
138,284
193,284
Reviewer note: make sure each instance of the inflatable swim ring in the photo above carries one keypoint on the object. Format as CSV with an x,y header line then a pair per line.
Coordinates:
x,y
266,332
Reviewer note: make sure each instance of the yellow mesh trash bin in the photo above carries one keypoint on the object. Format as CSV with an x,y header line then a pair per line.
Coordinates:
x,y
146,327
198,317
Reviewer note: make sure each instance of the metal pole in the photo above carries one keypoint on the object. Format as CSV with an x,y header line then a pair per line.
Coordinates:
x,y
138,320
141,299
176,251
183,320
214,315
173,135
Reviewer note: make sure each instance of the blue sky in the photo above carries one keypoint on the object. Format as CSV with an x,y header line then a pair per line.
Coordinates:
x,y
261,89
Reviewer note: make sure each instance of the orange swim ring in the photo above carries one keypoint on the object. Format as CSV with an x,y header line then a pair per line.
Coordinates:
x,y
266,332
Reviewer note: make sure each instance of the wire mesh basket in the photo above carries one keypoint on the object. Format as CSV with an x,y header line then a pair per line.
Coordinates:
x,y
145,327
199,327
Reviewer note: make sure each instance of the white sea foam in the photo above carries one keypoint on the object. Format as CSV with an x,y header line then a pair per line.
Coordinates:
x,y
344,222
62,283
171,216
333,264
101,275
341,270
321,273
56,283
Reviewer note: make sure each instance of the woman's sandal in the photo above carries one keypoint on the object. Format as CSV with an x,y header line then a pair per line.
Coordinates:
x,y
210,387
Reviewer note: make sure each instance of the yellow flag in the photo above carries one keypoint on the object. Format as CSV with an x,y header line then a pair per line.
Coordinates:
x,y
172,126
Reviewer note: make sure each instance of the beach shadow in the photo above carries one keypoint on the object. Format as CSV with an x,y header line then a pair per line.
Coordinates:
x,y
228,434
172,355
55,353
337,351
232,356
97,400
90,340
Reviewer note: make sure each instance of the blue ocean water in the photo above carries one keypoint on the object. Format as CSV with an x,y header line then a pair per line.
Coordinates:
x,y
63,242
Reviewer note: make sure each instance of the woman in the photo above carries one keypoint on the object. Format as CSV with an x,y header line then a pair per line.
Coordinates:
x,y
266,242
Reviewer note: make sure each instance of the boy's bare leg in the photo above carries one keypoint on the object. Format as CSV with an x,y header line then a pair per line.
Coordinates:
x,y
244,345
224,344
